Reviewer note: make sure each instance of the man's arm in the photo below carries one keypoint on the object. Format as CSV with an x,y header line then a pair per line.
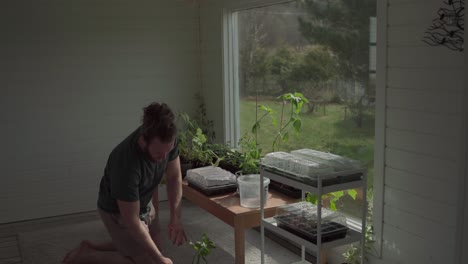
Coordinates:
x,y
174,195
154,228
129,212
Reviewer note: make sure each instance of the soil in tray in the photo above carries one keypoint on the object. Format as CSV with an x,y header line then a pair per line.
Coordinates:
x,y
308,230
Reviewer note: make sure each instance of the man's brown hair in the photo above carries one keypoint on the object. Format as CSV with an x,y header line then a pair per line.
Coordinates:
x,y
158,121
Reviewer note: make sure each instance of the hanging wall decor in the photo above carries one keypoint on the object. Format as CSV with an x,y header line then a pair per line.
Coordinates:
x,y
448,28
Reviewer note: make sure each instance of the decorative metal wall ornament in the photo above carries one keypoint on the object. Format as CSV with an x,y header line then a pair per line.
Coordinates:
x,y
448,28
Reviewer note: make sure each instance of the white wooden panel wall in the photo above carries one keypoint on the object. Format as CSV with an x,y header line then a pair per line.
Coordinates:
x,y
74,78
424,88
464,216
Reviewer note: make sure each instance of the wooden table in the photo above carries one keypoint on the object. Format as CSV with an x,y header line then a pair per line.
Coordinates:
x,y
227,208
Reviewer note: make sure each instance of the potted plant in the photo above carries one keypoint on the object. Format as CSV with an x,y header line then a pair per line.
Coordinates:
x,y
184,138
194,138
231,157
194,149
296,102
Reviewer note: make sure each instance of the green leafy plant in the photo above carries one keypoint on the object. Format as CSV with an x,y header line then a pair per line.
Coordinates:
x,y
201,151
202,249
247,157
353,253
205,124
187,130
331,198
250,155
193,143
230,158
296,100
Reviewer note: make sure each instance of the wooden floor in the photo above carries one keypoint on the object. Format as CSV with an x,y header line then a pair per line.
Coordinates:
x,y
10,252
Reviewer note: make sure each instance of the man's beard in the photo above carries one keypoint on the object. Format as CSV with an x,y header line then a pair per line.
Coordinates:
x,y
147,154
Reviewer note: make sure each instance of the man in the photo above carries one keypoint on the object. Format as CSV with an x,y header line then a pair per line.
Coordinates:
x,y
131,176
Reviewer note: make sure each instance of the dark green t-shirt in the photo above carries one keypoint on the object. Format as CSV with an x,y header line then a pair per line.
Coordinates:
x,y
129,176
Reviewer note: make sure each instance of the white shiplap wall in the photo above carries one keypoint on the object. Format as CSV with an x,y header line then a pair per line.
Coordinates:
x,y
423,117
74,76
421,133
463,220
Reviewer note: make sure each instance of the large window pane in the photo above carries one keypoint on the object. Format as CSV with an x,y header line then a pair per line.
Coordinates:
x,y
324,50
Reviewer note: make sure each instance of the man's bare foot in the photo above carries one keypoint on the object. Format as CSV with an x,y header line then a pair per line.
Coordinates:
x,y
73,254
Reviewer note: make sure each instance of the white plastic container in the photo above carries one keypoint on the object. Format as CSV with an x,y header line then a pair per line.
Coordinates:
x,y
249,189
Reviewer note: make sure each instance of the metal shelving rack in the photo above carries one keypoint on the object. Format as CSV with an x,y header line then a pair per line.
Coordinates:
x,y
351,236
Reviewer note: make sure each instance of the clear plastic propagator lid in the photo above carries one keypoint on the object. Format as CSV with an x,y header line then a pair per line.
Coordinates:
x,y
211,176
301,168
337,163
278,160
307,212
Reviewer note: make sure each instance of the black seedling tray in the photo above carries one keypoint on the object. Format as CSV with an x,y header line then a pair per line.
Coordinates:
x,y
213,190
313,182
308,230
285,189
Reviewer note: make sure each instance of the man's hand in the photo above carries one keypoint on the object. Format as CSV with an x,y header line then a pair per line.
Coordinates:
x,y
175,229
129,212
176,232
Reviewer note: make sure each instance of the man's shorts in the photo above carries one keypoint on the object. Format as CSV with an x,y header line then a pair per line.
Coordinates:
x,y
121,237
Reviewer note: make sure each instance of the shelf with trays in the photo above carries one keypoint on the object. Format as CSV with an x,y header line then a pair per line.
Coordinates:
x,y
272,175
333,182
351,236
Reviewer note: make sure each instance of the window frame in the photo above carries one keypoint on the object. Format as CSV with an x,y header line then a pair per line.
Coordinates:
x,y
231,97
230,65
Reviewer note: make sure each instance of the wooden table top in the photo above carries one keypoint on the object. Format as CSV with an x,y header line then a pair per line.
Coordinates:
x,y
231,201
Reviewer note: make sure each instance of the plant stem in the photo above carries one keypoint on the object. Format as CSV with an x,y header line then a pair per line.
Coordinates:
x,y
281,123
256,114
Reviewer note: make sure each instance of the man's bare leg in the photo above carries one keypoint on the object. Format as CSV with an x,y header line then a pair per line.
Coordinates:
x,y
103,246
86,254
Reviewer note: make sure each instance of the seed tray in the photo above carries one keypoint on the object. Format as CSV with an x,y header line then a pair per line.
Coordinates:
x,y
307,230
327,181
286,189
212,190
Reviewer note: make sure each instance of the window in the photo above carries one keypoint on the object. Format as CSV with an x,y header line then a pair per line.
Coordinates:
x,y
322,49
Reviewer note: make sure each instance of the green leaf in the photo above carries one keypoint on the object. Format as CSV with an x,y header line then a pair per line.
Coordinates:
x,y
311,198
297,125
285,136
305,100
352,193
255,127
264,107
273,121
337,195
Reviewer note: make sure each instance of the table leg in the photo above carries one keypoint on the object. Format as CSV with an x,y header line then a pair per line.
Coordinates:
x,y
239,240
323,256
